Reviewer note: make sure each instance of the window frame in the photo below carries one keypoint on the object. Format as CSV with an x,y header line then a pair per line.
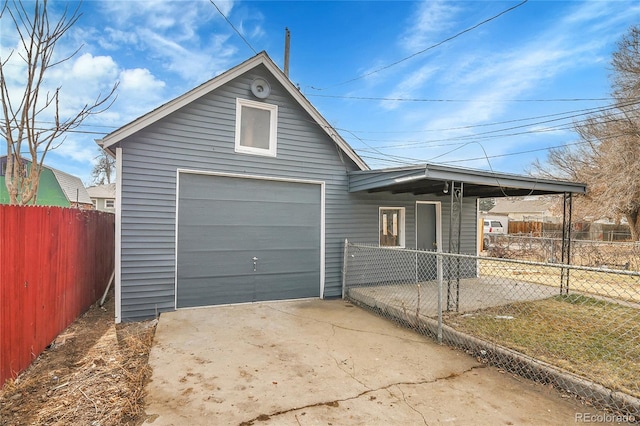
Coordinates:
x,y
113,202
401,230
273,128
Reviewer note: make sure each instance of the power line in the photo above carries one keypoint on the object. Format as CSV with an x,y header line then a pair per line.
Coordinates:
x,y
395,159
371,98
377,70
498,133
234,28
472,126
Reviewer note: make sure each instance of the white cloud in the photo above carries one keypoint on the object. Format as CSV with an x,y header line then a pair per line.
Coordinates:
x,y
410,86
77,148
89,67
139,80
171,35
429,20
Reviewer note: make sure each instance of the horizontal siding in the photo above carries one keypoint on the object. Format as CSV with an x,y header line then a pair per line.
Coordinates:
x,y
200,136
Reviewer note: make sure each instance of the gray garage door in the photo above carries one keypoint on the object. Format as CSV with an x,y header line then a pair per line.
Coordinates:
x,y
245,240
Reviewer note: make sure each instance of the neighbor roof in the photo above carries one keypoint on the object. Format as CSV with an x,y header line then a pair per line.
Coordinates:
x,y
72,187
522,206
431,178
205,88
102,191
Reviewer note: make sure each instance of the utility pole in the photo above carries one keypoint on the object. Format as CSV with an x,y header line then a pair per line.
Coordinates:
x,y
287,42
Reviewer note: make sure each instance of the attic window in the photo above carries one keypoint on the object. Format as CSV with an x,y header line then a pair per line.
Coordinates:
x,y
256,127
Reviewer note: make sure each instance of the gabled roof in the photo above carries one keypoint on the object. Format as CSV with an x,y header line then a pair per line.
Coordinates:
x,y
102,191
431,178
260,59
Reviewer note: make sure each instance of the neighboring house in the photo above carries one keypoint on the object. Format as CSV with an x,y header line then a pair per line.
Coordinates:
x,y
240,191
103,197
56,188
527,209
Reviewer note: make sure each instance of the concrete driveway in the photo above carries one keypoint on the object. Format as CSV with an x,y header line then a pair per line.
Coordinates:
x,y
317,362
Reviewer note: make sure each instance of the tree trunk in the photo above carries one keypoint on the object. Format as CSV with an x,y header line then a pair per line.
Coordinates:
x,y
634,224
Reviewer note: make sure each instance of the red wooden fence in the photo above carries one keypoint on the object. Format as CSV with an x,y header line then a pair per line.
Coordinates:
x,y
54,264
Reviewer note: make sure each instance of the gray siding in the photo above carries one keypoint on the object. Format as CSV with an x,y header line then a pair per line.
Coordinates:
x,y
200,136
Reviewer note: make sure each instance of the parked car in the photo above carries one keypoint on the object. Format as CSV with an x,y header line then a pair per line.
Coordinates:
x,y
491,227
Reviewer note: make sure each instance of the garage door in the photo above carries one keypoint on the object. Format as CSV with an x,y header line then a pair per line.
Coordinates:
x,y
245,240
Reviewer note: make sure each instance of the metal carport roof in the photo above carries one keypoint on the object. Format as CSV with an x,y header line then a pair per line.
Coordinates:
x,y
432,179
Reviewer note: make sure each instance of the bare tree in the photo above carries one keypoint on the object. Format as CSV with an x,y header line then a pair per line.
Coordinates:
x,y
607,158
31,119
103,169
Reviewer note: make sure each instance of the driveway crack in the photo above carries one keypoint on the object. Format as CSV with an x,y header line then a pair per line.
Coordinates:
x,y
342,327
336,402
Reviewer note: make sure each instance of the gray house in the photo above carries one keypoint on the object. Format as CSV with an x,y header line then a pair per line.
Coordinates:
x,y
240,191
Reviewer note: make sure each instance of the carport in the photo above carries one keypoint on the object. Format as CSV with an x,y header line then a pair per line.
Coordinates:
x,y
458,183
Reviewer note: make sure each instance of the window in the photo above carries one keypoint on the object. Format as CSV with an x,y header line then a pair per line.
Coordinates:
x,y
95,202
391,226
109,204
256,125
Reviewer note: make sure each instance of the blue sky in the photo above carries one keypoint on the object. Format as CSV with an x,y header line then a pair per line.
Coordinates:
x,y
495,97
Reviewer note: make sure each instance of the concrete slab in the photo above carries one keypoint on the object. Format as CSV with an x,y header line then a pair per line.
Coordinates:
x,y
327,362
473,294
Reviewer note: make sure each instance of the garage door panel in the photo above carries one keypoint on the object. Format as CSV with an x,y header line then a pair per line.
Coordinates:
x,y
207,291
225,222
217,238
289,287
247,214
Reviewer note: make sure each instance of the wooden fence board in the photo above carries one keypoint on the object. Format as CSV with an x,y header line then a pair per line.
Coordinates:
x,y
54,264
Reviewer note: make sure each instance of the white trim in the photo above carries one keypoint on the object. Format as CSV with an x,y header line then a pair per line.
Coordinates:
x,y
401,225
203,89
255,177
118,257
175,245
273,128
438,205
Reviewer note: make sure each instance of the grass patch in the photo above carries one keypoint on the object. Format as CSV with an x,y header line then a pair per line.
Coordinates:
x,y
593,338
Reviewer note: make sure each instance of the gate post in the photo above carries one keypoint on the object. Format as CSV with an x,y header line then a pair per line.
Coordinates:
x,y
344,266
566,242
440,292
455,231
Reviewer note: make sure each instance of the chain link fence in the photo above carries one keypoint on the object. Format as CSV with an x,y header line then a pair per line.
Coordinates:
x,y
597,254
577,328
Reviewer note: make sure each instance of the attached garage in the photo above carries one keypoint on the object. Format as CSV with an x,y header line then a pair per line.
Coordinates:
x,y
247,239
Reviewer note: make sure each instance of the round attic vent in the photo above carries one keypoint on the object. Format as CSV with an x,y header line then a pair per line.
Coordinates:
x,y
260,88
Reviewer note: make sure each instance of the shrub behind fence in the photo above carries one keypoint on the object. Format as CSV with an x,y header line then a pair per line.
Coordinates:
x,y
577,328
55,263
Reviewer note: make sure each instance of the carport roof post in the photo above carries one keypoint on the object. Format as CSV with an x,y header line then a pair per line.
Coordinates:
x,y
430,179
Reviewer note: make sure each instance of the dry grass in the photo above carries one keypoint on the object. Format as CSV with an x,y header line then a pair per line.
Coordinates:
x,y
607,284
94,374
590,337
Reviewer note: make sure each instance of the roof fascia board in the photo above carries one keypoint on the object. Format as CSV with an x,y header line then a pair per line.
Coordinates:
x,y
366,180
220,80
315,114
179,102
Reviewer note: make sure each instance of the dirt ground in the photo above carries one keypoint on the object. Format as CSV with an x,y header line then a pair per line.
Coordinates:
x,y
93,374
